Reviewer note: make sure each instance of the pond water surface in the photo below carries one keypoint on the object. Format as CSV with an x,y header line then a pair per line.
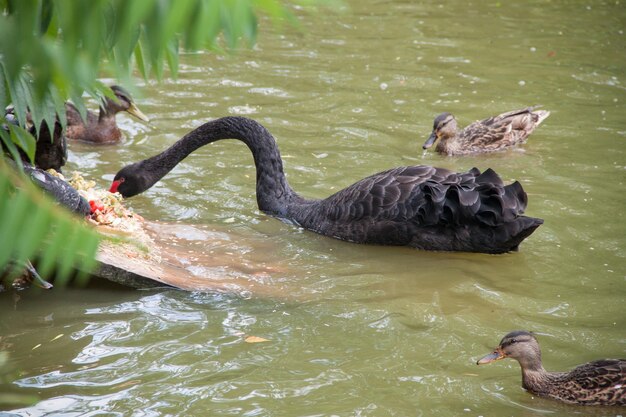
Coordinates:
x,y
357,330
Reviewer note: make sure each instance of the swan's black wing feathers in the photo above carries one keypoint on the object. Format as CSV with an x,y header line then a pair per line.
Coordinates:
x,y
427,207
430,196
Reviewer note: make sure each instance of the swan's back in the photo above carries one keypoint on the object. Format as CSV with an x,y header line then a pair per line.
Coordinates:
x,y
427,208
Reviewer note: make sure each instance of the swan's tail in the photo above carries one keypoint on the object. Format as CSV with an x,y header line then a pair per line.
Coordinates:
x,y
514,227
519,230
499,208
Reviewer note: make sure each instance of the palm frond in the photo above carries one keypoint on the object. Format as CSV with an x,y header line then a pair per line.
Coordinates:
x,y
32,226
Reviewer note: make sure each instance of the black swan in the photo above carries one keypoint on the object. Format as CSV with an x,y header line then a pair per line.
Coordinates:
x,y
601,382
418,206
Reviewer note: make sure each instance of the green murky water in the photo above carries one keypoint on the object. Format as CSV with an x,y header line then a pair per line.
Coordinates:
x,y
357,330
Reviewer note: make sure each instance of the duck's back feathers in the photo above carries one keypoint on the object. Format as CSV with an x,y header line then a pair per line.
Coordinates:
x,y
537,116
95,129
601,382
101,127
494,133
504,130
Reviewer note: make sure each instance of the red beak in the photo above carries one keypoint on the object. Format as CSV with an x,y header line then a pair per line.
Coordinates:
x,y
114,186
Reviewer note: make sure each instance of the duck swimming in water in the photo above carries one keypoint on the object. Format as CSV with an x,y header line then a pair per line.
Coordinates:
x,y
601,382
101,128
418,206
489,135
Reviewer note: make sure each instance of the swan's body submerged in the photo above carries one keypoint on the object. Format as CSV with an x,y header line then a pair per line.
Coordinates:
x,y
493,134
418,206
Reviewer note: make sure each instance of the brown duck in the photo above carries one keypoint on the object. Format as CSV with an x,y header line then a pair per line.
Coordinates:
x,y
101,128
601,382
489,135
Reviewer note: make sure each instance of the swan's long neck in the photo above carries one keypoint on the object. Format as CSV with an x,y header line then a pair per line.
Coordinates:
x,y
272,189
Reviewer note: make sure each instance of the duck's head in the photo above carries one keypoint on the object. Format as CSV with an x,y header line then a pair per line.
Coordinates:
x,y
123,102
443,127
519,345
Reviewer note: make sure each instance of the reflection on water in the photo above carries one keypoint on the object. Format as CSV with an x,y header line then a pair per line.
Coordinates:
x,y
358,330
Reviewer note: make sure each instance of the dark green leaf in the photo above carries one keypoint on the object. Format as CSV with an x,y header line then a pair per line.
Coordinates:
x,y
68,255
34,230
24,140
171,54
139,61
49,257
17,205
13,151
89,246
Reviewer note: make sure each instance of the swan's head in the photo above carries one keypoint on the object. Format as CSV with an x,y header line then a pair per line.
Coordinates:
x,y
130,181
519,345
123,102
443,127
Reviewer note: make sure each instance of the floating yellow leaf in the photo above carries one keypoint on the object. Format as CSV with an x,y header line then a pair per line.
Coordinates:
x,y
255,339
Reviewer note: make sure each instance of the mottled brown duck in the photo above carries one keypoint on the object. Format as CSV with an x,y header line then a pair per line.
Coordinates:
x,y
493,134
101,127
418,206
601,382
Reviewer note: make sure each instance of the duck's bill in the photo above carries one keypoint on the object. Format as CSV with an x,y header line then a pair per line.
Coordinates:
x,y
134,110
430,141
492,357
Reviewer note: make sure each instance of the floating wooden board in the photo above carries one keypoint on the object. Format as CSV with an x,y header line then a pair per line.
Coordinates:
x,y
193,258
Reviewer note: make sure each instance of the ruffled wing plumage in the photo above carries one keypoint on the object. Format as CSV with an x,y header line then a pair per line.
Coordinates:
x,y
427,207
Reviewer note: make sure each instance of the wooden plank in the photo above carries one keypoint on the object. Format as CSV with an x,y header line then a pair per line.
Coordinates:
x,y
188,257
